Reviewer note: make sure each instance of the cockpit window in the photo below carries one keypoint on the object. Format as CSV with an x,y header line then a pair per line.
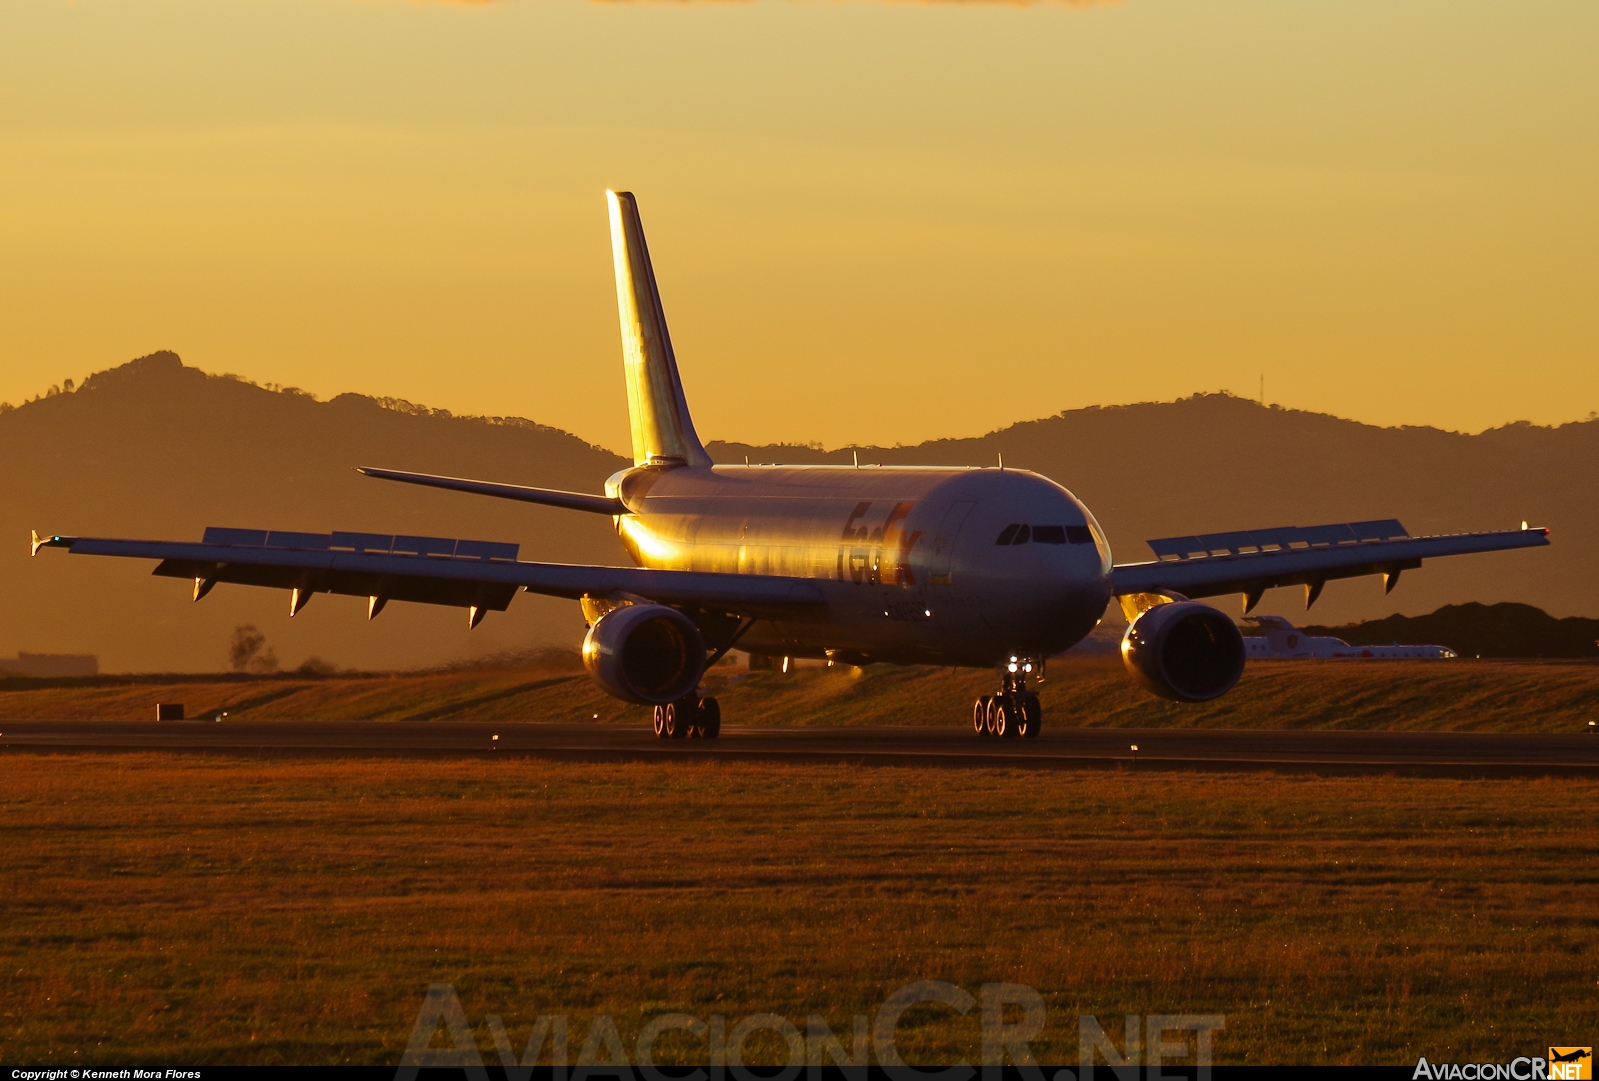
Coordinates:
x,y
1021,533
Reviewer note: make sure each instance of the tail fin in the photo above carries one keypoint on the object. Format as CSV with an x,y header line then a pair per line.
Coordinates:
x,y
662,430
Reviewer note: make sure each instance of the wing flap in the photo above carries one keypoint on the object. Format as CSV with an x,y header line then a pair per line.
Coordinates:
x,y
1252,572
457,593
1280,538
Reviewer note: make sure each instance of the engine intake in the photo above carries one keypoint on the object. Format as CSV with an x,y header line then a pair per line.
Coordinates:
x,y
1184,651
645,653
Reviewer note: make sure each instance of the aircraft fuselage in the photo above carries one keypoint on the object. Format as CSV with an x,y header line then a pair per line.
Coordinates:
x,y
907,557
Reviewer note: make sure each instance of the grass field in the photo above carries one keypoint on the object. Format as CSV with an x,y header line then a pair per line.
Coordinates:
x,y
1522,696
163,909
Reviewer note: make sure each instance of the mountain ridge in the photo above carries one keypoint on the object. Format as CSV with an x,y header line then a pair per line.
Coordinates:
x,y
1479,630
157,448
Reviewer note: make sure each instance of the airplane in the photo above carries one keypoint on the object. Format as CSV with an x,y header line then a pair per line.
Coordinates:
x,y
1281,640
989,567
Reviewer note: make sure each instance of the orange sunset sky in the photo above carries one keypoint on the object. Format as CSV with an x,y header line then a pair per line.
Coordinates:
x,y
872,222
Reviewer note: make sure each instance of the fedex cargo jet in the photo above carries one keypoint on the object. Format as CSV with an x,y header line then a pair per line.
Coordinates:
x,y
978,567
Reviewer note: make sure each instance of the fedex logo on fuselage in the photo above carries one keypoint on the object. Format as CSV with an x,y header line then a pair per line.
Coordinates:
x,y
877,555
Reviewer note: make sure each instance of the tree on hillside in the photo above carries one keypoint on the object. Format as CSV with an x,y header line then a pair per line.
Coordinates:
x,y
1506,629
245,652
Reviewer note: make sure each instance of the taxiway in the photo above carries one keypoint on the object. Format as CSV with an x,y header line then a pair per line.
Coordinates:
x,y
1470,754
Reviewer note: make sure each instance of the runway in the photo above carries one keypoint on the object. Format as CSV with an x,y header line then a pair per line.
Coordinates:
x,y
1455,754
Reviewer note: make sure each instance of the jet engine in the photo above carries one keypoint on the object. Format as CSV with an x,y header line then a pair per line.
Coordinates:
x,y
1184,651
645,653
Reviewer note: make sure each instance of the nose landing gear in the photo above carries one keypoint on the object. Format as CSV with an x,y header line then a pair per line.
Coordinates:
x,y
1014,711
691,716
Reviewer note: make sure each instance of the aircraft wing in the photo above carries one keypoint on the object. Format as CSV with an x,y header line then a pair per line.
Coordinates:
x,y
1251,562
478,575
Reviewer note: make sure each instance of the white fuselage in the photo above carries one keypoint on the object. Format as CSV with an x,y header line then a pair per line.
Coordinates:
x,y
1305,647
907,557
1281,640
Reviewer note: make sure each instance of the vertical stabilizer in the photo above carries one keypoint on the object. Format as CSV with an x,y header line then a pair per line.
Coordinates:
x,y
662,430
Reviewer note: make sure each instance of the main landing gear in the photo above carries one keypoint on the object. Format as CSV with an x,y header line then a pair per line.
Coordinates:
x,y
690,716
1014,711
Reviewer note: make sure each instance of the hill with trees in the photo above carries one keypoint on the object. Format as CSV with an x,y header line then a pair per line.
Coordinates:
x,y
1479,630
154,448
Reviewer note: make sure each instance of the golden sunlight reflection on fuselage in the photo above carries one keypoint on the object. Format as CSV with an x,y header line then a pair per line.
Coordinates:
x,y
909,556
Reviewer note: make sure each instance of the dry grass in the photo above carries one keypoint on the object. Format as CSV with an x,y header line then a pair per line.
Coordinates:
x,y
1521,696
215,910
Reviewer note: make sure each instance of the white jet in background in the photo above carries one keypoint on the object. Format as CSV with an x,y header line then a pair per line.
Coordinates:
x,y
1280,640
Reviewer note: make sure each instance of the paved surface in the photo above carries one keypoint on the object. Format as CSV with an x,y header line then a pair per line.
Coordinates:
x,y
1412,753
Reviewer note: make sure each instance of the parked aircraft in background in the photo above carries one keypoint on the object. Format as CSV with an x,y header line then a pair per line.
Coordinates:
x,y
50,665
979,567
1281,640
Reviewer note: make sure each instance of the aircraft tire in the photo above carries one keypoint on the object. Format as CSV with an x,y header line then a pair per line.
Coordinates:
x,y
1004,718
1032,715
679,718
660,722
980,715
710,726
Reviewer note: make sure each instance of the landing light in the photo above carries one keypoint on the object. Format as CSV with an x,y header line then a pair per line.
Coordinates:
x,y
1012,666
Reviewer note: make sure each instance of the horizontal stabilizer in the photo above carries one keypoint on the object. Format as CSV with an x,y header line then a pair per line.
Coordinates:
x,y
549,497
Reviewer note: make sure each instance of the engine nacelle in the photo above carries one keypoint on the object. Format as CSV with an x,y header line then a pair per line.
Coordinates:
x,y
645,653
1184,651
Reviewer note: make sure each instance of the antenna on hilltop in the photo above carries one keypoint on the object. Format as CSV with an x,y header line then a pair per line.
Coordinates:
x,y
1262,388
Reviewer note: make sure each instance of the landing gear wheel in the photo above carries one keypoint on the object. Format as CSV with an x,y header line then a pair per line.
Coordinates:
x,y
1015,711
980,714
660,722
710,725
1031,716
1005,719
677,718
